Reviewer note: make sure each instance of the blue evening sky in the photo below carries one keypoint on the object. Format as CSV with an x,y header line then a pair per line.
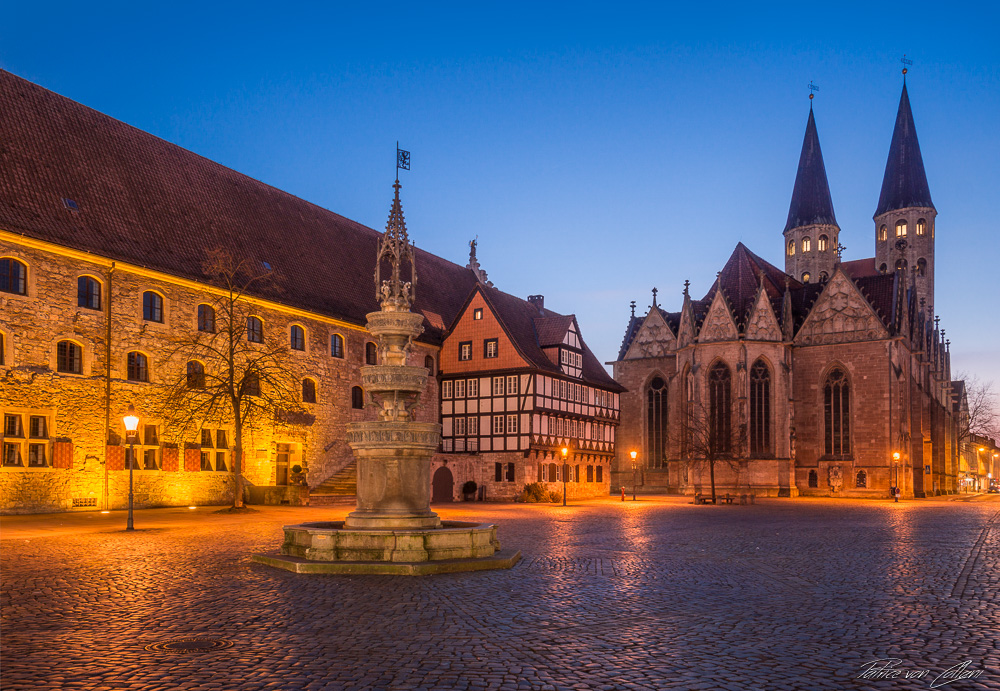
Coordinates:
x,y
595,150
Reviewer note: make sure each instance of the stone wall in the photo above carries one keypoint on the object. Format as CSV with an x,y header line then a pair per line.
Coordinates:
x,y
75,405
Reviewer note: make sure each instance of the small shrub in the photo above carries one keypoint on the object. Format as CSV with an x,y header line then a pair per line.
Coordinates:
x,y
470,487
533,493
296,468
555,497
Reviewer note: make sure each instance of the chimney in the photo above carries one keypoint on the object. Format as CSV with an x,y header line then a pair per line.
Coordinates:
x,y
537,300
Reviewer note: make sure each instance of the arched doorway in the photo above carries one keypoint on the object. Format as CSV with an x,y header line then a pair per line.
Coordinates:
x,y
442,486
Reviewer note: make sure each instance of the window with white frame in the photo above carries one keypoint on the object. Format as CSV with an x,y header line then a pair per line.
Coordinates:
x,y
465,350
491,348
512,382
498,386
459,388
25,446
146,449
214,449
498,424
472,426
446,389
473,388
458,426
512,424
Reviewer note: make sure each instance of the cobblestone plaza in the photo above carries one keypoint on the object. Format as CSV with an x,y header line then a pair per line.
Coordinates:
x,y
653,594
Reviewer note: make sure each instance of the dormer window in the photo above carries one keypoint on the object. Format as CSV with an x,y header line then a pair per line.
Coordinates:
x,y
900,229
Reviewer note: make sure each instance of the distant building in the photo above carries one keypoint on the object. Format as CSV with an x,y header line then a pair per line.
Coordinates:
x,y
104,233
806,380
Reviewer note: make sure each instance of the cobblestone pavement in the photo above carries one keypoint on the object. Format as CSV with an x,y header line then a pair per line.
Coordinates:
x,y
654,594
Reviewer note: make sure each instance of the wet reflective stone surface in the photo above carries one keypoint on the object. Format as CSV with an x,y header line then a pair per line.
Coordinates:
x,y
654,594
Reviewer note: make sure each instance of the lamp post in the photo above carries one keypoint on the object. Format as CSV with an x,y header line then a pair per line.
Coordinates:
x,y
633,454
895,484
565,451
131,425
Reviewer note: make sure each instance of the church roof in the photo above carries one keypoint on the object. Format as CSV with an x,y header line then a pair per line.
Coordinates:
x,y
740,279
811,200
905,182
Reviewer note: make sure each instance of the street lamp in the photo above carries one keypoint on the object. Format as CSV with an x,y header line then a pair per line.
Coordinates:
x,y
131,425
895,467
633,454
565,451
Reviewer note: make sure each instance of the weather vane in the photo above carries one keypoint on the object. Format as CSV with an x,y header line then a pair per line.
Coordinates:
x,y
402,160
905,62
812,88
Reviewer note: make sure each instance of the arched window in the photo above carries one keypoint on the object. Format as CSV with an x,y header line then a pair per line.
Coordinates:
x,y
823,243
298,337
152,306
883,233
813,479
255,330
206,318
806,245
900,229
656,419
720,409
921,226
69,357
861,480
791,247
88,293
308,391
760,408
900,264
195,375
837,413
357,398
13,276
429,364
337,346
371,353
883,268
823,277
921,266
138,367
251,384
806,276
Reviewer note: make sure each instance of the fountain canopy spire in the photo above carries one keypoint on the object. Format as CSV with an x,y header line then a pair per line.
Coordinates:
x,y
393,293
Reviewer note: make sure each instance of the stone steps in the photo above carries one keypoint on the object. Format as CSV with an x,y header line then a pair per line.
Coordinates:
x,y
343,483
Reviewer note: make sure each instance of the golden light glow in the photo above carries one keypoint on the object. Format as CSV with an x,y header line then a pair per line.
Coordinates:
x,y
105,512
565,451
633,454
192,507
131,420
895,456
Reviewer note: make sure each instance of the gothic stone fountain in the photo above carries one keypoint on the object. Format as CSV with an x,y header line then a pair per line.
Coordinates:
x,y
392,530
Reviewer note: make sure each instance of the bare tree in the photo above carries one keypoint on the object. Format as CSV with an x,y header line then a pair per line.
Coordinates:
x,y
236,372
708,441
981,418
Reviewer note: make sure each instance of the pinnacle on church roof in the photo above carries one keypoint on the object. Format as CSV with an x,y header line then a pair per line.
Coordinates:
x,y
905,182
811,200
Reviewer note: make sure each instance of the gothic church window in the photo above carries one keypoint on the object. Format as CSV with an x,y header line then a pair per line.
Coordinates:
x,y
88,293
656,419
760,408
69,357
720,409
837,413
13,276
806,245
822,243
900,229
921,226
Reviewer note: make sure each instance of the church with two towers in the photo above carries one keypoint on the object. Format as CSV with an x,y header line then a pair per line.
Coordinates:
x,y
826,378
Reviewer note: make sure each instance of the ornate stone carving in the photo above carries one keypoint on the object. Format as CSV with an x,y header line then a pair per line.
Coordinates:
x,y
719,324
763,325
654,340
841,314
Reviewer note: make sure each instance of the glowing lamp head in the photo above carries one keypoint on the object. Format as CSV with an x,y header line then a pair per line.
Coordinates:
x,y
895,456
564,451
131,420
633,454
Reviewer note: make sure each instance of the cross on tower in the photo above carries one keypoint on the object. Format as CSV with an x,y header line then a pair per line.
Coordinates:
x,y
655,291
686,284
840,250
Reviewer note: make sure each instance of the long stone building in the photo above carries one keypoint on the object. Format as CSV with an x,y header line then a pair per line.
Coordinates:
x,y
106,236
825,378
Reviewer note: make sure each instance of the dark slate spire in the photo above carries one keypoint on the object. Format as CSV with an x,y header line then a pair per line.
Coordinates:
x,y
811,201
905,182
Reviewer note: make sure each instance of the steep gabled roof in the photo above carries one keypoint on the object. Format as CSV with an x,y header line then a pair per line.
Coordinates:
x,y
740,278
859,267
905,182
145,201
811,200
520,320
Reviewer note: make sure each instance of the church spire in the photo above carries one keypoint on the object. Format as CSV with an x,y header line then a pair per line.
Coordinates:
x,y
905,182
811,200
